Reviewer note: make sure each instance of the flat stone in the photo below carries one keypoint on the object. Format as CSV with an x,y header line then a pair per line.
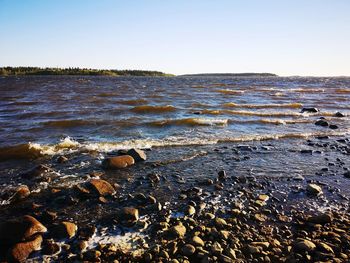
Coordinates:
x,y
21,251
118,162
21,229
137,154
102,187
320,219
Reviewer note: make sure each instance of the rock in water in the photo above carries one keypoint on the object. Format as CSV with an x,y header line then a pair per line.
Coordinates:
x,y
38,171
347,174
102,187
21,193
65,230
313,189
137,154
322,122
118,162
24,228
309,110
339,114
21,251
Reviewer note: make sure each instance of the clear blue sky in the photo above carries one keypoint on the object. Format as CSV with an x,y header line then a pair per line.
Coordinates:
x,y
295,37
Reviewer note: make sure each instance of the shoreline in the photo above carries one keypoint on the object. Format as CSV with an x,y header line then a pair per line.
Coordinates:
x,y
226,202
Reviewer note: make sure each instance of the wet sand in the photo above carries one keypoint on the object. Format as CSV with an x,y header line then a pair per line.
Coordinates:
x,y
264,201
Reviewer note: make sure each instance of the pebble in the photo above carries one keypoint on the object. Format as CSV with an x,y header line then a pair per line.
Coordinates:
x,y
314,189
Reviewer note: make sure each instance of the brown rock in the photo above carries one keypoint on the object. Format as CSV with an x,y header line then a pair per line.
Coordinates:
x,y
304,245
188,250
64,230
22,229
102,187
118,162
197,241
178,231
22,192
128,215
50,247
21,251
137,154
320,219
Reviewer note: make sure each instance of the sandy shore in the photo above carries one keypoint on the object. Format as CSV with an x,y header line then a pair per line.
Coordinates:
x,y
270,201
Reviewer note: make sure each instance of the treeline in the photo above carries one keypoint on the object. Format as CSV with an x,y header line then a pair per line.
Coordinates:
x,y
231,75
22,71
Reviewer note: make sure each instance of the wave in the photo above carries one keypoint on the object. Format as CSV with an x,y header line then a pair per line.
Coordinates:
x,y
133,102
343,90
68,145
67,123
191,122
263,106
276,113
230,91
153,109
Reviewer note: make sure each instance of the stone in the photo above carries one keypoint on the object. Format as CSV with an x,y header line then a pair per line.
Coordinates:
x,y
101,187
322,122
320,219
21,251
137,154
313,189
304,245
216,248
347,174
333,126
260,217
118,162
128,215
64,229
50,247
21,193
190,210
188,250
325,248
222,175
38,171
263,197
22,229
339,114
310,109
178,231
197,241
62,159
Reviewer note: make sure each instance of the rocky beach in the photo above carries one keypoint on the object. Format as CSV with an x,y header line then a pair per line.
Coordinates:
x,y
211,170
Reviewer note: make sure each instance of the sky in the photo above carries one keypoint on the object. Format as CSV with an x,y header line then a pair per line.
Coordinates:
x,y
289,37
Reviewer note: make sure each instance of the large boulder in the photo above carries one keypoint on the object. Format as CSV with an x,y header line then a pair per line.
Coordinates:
x,y
137,154
21,251
101,187
21,229
118,162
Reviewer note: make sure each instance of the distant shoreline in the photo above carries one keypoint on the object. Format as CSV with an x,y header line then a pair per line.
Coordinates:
x,y
252,74
37,71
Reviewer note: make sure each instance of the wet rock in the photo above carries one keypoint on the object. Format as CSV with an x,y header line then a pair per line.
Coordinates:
x,y
62,159
118,162
310,109
22,192
137,154
313,189
64,230
21,251
188,250
304,245
322,122
333,126
177,231
38,171
222,175
216,248
347,174
21,229
101,187
50,247
128,215
197,241
339,114
320,219
190,210
260,217
263,197
325,248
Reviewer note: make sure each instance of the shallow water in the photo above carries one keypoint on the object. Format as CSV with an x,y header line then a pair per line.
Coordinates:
x,y
49,115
